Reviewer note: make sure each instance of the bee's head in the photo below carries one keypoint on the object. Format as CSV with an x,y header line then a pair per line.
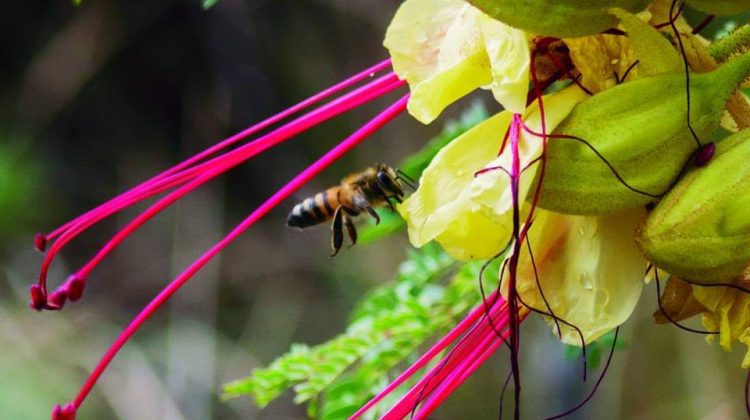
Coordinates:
x,y
391,181
388,181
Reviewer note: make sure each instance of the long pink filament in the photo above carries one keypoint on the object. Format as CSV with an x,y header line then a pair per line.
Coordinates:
x,y
296,183
240,155
345,103
332,90
478,343
444,342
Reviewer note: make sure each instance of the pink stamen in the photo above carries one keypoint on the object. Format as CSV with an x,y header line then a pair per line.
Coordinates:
x,y
300,180
444,342
40,242
38,297
437,381
469,365
210,169
455,367
66,412
238,156
351,81
476,346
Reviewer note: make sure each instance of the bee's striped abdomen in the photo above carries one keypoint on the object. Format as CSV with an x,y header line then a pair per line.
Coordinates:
x,y
313,210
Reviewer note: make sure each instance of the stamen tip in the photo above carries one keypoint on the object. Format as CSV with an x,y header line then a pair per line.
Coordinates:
x,y
40,242
704,154
75,286
57,300
64,412
38,297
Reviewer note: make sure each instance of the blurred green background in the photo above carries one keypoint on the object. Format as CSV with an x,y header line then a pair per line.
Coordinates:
x,y
96,98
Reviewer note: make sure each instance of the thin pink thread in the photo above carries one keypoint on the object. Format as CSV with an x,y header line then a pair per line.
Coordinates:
x,y
345,103
332,90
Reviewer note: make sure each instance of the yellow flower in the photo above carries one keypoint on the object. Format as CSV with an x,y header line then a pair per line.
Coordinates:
x,y
445,49
470,216
588,268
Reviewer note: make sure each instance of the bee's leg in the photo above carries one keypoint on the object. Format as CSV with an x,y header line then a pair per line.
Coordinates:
x,y
338,230
360,201
373,213
350,229
379,189
390,205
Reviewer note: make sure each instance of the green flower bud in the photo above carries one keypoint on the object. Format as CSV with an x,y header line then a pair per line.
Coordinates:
x,y
640,129
558,18
701,230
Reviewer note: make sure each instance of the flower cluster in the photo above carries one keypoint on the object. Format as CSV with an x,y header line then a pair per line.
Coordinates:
x,y
587,188
602,172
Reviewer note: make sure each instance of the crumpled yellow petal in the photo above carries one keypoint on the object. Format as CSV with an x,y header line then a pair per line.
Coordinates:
x,y
728,311
471,216
589,269
445,49
656,55
599,57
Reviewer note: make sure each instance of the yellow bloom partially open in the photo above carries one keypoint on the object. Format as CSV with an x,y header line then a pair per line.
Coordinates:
x,y
445,49
588,268
470,216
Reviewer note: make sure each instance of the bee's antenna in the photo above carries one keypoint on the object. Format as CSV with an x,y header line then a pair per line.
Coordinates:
x,y
409,181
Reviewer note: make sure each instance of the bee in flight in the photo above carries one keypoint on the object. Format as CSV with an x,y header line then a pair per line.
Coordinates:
x,y
357,193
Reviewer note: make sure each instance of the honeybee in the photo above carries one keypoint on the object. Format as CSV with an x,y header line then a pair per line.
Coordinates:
x,y
359,192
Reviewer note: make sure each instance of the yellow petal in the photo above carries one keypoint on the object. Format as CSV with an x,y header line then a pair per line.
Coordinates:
x,y
589,270
508,51
470,216
599,57
445,49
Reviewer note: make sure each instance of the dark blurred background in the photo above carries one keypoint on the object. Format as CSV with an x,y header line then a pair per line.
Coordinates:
x,y
96,98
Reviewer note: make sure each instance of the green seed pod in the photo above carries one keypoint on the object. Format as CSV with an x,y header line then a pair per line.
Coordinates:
x,y
701,230
558,18
640,129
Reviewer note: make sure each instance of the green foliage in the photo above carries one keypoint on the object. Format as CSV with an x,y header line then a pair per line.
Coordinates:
x,y
386,327
416,163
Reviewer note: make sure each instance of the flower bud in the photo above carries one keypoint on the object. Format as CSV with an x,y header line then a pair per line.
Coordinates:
x,y
701,230
559,18
636,131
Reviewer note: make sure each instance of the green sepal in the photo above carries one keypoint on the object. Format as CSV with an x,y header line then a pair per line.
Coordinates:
x,y
559,18
640,128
